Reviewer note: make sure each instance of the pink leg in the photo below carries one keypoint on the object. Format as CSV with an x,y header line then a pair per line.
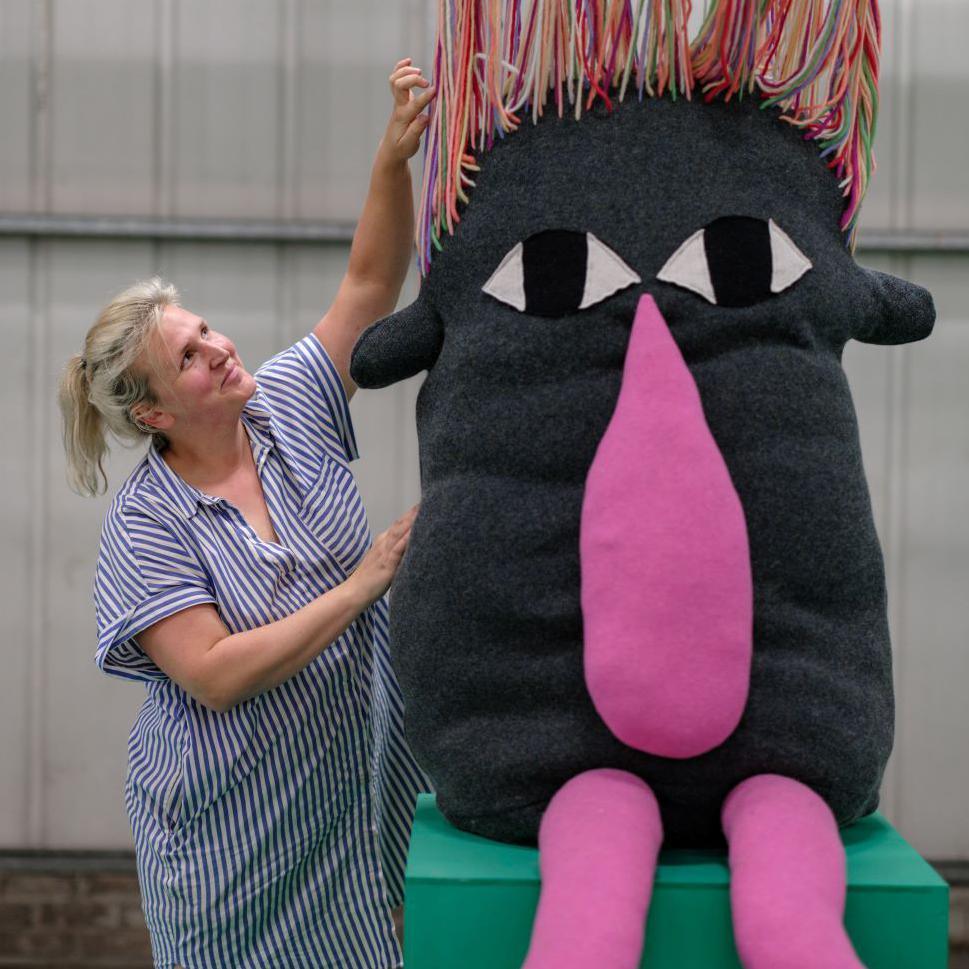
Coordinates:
x,y
787,877
599,839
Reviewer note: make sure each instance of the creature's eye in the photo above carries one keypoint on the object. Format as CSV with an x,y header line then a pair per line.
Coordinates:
x,y
557,272
736,261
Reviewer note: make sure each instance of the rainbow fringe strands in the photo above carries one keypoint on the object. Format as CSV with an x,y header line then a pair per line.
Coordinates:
x,y
498,61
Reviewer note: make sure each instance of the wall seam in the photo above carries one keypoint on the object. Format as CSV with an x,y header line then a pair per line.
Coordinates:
x,y
38,563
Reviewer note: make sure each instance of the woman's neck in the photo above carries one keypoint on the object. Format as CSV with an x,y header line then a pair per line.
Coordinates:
x,y
210,460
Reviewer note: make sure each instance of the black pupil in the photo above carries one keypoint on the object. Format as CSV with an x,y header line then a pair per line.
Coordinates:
x,y
554,264
739,256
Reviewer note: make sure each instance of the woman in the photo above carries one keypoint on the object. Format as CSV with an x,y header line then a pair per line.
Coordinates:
x,y
269,788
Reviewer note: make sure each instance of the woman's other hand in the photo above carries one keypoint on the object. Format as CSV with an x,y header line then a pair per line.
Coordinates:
x,y
407,123
376,571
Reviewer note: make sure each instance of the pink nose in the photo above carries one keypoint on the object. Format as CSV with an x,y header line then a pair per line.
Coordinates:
x,y
667,595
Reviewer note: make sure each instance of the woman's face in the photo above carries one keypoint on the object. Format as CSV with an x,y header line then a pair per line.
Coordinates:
x,y
195,373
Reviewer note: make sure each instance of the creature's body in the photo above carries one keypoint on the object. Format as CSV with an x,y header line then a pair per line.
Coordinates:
x,y
487,619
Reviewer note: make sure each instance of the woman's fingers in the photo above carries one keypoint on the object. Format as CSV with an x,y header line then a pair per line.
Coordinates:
x,y
404,80
406,113
400,546
410,140
415,122
400,529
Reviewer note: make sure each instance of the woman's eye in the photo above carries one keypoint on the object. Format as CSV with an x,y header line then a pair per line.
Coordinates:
x,y
186,358
736,261
558,272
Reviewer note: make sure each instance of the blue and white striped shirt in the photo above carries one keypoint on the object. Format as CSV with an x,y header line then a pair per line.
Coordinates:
x,y
274,834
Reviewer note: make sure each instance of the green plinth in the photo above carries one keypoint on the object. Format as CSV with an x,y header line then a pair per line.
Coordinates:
x,y
470,902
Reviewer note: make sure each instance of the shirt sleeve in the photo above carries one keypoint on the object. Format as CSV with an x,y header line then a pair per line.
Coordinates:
x,y
144,574
304,389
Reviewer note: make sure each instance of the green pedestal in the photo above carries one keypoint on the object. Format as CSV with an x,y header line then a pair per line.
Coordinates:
x,y
470,902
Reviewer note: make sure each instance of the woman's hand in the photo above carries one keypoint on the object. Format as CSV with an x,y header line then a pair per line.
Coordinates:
x,y
407,123
372,577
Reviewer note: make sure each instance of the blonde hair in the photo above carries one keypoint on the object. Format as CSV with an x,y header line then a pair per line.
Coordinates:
x,y
99,387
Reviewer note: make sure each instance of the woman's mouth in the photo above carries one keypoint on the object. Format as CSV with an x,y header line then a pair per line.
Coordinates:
x,y
231,375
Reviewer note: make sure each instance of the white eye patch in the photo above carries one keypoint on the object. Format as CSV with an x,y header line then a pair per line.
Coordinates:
x,y
736,261
557,272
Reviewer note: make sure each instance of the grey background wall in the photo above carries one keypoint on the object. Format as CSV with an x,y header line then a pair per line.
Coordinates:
x,y
271,109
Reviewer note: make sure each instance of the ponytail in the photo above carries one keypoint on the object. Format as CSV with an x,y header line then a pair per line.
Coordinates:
x,y
100,387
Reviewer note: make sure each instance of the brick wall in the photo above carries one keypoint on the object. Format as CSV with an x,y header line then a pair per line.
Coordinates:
x,y
73,911
82,911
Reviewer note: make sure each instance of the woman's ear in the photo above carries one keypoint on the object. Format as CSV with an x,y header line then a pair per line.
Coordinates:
x,y
152,416
900,311
399,345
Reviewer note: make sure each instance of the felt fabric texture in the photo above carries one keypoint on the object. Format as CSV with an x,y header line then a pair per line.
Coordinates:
x,y
736,261
486,625
788,263
564,272
903,312
606,274
599,841
554,269
409,341
738,253
787,877
667,598
688,267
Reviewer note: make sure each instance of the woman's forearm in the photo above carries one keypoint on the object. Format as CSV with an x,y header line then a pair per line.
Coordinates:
x,y
380,254
244,664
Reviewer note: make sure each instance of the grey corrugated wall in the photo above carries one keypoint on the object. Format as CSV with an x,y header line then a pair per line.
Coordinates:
x,y
258,109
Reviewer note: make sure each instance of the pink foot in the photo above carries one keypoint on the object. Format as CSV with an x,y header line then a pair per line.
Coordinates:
x,y
787,877
599,839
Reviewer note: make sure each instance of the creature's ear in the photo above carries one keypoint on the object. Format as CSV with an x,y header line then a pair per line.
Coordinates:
x,y
398,346
901,312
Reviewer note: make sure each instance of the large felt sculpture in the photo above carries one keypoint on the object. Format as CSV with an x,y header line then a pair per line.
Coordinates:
x,y
644,597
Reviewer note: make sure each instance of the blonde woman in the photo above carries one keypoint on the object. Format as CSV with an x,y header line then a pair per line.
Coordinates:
x,y
269,787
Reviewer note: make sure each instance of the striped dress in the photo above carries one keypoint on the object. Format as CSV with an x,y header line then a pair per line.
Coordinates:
x,y
275,834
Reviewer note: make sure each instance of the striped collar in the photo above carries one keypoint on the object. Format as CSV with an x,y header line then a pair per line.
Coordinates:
x,y
184,499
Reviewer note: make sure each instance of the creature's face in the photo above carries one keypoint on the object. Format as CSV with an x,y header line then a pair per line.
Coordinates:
x,y
721,212
646,181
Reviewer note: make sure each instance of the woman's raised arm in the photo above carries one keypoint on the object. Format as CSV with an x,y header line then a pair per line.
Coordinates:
x,y
382,243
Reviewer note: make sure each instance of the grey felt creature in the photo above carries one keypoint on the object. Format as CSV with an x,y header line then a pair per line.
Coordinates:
x,y
486,620
728,223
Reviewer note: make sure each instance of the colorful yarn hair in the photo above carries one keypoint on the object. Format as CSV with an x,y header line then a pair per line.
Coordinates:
x,y
499,60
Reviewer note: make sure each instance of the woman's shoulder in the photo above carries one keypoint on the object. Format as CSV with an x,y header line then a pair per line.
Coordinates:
x,y
304,354
139,498
301,387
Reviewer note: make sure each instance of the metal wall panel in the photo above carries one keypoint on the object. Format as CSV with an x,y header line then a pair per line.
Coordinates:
x,y
83,717
870,372
102,107
227,128
15,105
931,589
346,47
16,606
912,409
937,134
241,108
880,208
245,110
